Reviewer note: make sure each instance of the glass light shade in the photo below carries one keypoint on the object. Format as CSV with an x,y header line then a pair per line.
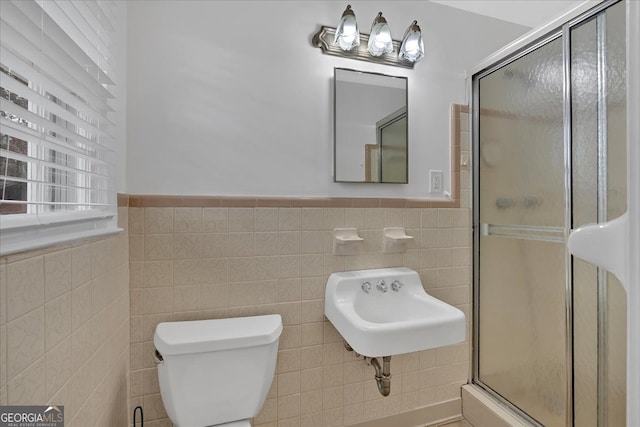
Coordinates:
x,y
380,41
347,34
412,48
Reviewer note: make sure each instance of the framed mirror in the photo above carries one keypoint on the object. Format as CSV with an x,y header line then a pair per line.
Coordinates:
x,y
370,127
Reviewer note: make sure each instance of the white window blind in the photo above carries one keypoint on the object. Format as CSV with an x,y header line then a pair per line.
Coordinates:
x,y
57,160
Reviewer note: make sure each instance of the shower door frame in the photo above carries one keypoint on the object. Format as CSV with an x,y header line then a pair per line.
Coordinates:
x,y
559,28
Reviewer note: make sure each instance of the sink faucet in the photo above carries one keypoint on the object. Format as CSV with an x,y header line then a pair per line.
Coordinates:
x,y
382,286
396,285
366,287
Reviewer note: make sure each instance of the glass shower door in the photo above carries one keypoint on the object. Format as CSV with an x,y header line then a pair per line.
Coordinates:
x,y
551,156
598,143
522,258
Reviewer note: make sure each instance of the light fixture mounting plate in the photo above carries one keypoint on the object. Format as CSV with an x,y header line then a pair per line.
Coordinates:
x,y
323,39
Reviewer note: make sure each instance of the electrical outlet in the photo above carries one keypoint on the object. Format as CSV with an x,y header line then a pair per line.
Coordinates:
x,y
435,181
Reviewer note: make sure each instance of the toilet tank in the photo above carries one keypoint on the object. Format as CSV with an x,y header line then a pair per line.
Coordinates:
x,y
216,371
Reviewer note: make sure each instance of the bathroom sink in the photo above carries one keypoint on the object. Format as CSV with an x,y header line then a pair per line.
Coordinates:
x,y
386,311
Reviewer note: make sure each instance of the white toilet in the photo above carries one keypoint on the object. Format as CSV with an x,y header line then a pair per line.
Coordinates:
x,y
216,372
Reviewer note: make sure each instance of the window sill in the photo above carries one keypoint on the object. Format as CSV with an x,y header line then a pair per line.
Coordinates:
x,y
30,237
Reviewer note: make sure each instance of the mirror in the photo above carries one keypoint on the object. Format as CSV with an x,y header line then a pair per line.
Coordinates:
x,y
370,125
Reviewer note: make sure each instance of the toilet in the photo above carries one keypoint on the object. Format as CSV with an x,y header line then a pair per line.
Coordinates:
x,y
216,372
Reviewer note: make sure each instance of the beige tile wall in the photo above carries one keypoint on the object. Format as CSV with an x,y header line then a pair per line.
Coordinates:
x,y
198,263
64,329
463,131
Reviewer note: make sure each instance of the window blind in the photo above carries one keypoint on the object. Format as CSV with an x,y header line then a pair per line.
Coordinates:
x,y
57,159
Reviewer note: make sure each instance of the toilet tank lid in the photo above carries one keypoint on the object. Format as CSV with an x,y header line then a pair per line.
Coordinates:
x,y
201,336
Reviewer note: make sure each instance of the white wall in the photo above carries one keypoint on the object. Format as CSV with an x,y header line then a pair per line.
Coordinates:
x,y
530,13
230,98
119,104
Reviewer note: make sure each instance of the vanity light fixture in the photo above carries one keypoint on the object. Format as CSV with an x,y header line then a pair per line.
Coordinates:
x,y
347,34
378,47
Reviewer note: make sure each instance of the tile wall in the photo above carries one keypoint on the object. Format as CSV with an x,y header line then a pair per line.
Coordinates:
x,y
64,329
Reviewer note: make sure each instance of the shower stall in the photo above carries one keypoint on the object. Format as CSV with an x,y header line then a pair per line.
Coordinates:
x,y
550,147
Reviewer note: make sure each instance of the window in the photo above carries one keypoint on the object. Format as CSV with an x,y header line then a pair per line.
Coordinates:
x,y
57,163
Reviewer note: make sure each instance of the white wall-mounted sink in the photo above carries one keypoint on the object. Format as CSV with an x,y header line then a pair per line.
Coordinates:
x,y
386,311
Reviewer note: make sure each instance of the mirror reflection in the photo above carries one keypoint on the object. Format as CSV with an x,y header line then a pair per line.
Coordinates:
x,y
370,125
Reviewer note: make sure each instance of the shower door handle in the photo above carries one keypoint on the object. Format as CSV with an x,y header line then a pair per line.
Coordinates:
x,y
610,246
604,245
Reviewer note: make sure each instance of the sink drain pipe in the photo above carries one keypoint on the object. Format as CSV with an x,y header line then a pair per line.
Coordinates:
x,y
383,373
